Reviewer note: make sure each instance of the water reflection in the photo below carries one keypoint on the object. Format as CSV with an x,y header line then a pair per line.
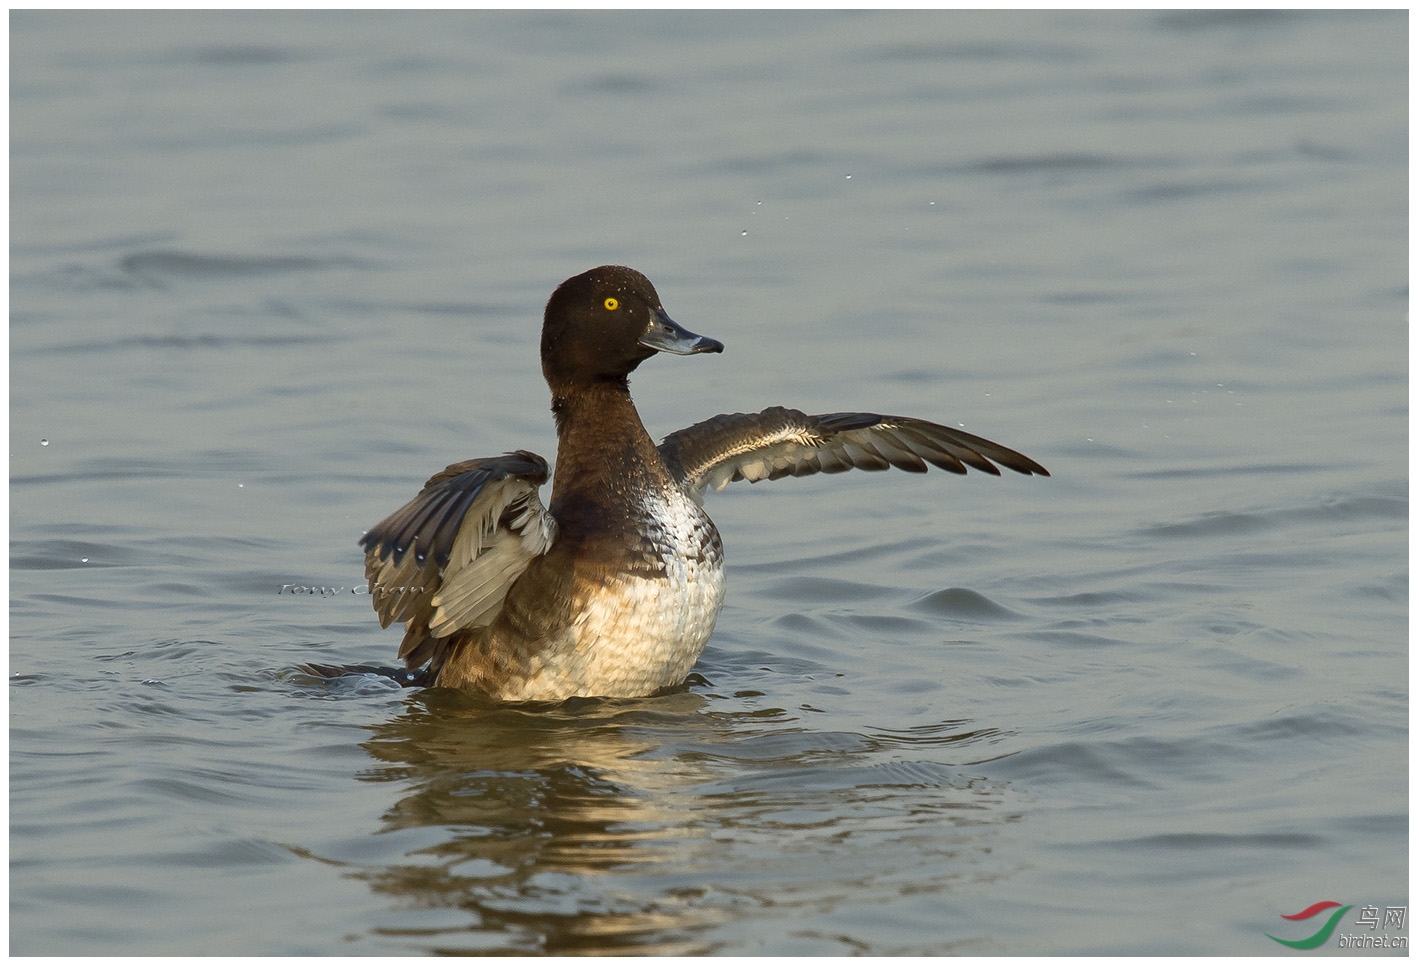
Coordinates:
x,y
537,805
659,825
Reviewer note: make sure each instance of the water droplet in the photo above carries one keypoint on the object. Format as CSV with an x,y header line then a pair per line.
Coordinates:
x,y
744,233
849,177
83,560
43,442
239,486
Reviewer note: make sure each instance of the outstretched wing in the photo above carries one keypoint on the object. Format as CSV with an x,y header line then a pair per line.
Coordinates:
x,y
781,442
443,562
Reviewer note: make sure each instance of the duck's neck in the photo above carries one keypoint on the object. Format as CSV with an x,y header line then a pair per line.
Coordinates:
x,y
603,450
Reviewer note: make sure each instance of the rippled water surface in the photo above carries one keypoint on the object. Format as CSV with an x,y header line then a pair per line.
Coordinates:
x,y
271,271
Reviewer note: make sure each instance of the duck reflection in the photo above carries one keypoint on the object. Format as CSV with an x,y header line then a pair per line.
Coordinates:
x,y
533,803
665,825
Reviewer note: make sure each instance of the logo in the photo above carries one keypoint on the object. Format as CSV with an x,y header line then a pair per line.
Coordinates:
x,y
1369,919
1321,935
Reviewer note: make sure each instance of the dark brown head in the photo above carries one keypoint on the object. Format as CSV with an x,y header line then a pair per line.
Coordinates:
x,y
604,323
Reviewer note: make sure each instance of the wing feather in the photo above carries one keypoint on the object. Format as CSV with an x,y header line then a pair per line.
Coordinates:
x,y
443,562
781,442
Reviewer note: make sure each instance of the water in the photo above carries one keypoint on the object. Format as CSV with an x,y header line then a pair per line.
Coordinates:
x,y
271,271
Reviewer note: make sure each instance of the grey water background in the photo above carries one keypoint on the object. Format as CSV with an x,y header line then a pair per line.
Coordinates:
x,y
270,271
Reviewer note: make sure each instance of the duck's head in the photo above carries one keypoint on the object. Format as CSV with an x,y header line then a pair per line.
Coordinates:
x,y
604,323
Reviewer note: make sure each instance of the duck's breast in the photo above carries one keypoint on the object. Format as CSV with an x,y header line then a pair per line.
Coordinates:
x,y
639,626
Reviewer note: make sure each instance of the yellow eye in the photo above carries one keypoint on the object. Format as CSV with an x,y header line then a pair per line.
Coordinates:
x,y
612,304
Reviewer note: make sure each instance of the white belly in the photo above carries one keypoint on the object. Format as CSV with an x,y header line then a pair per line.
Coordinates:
x,y
634,633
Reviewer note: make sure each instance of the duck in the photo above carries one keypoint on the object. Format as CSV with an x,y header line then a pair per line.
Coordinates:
x,y
612,589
